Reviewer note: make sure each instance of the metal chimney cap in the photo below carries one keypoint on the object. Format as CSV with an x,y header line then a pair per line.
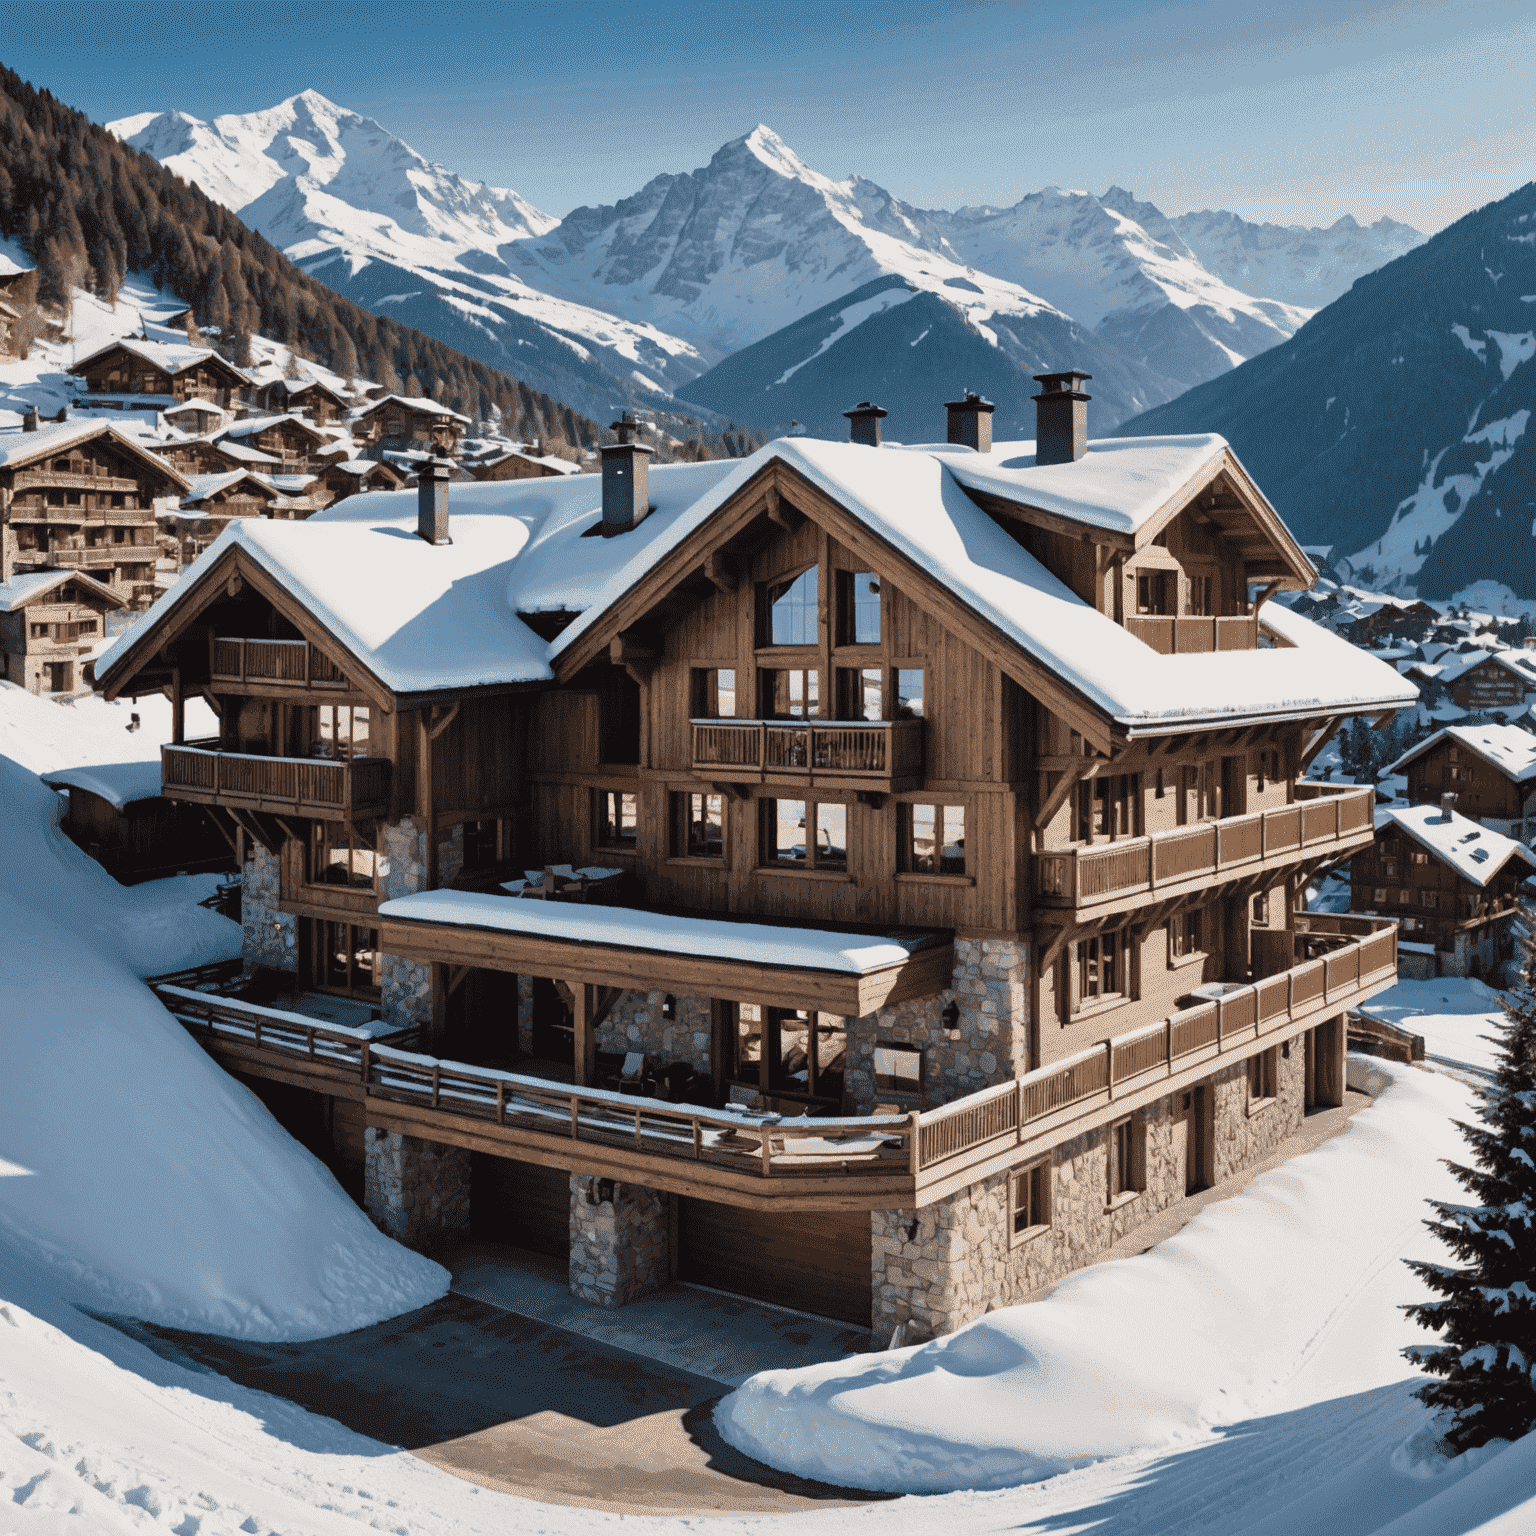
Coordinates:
x,y
1058,386
865,408
971,402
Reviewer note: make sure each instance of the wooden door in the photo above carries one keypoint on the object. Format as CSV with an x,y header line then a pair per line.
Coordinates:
x,y
553,1036
1201,1155
817,1262
1181,1150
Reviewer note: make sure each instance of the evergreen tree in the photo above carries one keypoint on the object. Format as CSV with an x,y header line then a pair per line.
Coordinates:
x,y
1486,1311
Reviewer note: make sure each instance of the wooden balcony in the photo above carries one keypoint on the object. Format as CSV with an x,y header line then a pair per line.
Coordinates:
x,y
346,789
102,554
1324,819
55,480
281,664
1170,636
868,1162
857,754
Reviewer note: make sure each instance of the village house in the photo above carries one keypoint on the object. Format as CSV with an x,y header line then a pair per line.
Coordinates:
x,y
134,375
289,440
351,477
1483,680
79,495
1491,769
9,316
197,416
302,397
403,424
1451,885
50,624
865,878
518,465
215,455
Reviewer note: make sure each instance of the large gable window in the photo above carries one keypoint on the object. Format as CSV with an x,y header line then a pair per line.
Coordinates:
x,y
791,610
858,607
804,834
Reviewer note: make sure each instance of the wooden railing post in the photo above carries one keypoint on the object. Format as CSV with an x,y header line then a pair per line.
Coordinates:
x,y
1018,1084
766,1149
1109,1067
914,1142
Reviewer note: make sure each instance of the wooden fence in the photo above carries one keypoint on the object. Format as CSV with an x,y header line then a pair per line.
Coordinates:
x,y
878,749
296,663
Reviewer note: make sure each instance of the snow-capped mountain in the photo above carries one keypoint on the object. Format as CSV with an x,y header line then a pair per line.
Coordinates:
x,y
354,205
1291,262
1397,425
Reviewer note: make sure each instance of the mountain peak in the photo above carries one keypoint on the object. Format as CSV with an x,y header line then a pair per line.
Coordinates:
x,y
765,145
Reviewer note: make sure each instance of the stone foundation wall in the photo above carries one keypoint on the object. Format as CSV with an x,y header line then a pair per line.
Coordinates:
x,y
271,937
943,1266
405,992
525,1015
991,1043
417,1191
405,986
635,1023
620,1245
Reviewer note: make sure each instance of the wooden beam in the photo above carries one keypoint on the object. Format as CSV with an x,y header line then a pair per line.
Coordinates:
x,y
733,791
252,826
585,1032
1320,739
1057,797
443,715
602,1003
229,835
456,975
721,571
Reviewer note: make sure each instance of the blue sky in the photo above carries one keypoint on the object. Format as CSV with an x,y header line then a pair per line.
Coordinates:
x,y
1420,109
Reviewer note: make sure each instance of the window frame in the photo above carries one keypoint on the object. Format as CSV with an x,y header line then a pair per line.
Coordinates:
x,y
601,821
1186,937
893,684
767,836
766,602
1037,1179
906,860
1262,1075
846,627
704,691
323,839
680,818
1125,1161
765,685
1081,1004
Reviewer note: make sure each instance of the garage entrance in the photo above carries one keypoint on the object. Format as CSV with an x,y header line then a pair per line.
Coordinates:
x,y
817,1262
520,1204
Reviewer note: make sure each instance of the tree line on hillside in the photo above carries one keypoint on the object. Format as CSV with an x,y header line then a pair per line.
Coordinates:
x,y
88,210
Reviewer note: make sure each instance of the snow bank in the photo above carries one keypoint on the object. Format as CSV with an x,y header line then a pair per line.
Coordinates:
x,y
1458,1016
1150,1352
43,734
145,1178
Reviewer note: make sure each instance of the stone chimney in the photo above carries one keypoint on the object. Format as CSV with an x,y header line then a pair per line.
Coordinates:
x,y
970,422
626,478
29,419
1447,805
432,500
1061,418
864,423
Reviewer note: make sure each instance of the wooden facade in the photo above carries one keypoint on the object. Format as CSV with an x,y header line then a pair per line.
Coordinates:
x,y
152,370
400,424
49,633
1489,684
291,441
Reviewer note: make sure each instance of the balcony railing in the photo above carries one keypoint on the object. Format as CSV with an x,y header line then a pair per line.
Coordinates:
x,y
347,789
58,480
1322,814
1170,636
109,554
887,753
288,663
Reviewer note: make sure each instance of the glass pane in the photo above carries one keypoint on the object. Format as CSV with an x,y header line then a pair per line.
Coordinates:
x,y
360,732
871,690
325,739
831,1055
789,830
793,1068
792,610
725,693
952,857
335,957
909,693
364,957
749,1040
923,827
831,836
706,836
866,608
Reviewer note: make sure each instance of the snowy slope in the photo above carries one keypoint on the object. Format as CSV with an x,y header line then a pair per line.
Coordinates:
x,y
361,210
1292,262
1396,425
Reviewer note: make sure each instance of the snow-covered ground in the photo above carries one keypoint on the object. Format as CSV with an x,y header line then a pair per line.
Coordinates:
x,y
1458,1016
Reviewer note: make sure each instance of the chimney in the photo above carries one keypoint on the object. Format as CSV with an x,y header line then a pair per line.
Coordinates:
x,y
970,421
626,478
432,500
1447,805
864,423
29,419
1061,418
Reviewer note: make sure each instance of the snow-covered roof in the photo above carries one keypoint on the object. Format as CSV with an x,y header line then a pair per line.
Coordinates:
x,y
251,425
170,356
560,466
298,386
204,486
413,403
194,408
447,618
363,466
1521,663
1505,747
10,267
121,784
291,485
819,949
19,447
1475,852
28,586
8,309
242,451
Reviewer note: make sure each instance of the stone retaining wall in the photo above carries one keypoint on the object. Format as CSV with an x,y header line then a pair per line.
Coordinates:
x,y
417,1191
635,1023
1242,1138
620,1240
271,938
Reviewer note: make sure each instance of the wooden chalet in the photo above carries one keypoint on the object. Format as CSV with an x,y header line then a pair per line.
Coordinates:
x,y
777,854
312,398
198,416
402,423
291,440
132,373
79,495
9,315
352,477
1491,769
1480,681
1449,882
50,625
215,455
517,465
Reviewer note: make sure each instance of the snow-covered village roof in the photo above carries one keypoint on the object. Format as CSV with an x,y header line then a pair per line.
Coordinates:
x,y
27,586
18,447
448,618
1505,747
251,425
560,466
204,486
1475,852
120,784
194,408
173,357
413,403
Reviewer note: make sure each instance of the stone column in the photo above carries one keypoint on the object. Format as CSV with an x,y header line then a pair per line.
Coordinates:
x,y
417,1191
525,1015
620,1246
271,937
405,986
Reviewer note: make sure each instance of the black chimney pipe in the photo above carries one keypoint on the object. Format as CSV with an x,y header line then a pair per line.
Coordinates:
x,y
1061,417
626,478
432,500
864,423
970,421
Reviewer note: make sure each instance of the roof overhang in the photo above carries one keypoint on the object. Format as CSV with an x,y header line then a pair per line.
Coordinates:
x,y
702,957
105,429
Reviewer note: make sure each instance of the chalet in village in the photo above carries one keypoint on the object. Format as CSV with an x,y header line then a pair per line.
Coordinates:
x,y
864,877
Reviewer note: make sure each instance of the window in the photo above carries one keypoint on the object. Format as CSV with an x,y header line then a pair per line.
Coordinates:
x,y
714,693
1102,967
1108,806
482,844
933,841
1152,592
1379,894
1125,1177
345,958
1029,1202
698,826
1419,856
1268,767
1161,788
618,717
790,693
1405,897
909,694
1260,917
804,834
341,730
618,819
1429,898
341,855
1200,596
899,1069
860,693
1186,934
858,605
807,1053
749,1043
792,610
1261,1077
